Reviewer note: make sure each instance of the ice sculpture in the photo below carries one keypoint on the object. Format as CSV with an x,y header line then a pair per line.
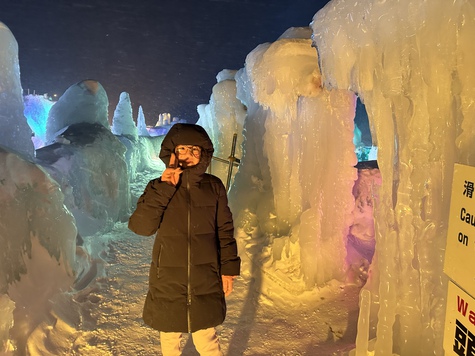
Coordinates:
x,y
89,164
141,125
223,117
293,166
412,64
16,134
33,218
84,102
123,123
149,149
37,108
123,126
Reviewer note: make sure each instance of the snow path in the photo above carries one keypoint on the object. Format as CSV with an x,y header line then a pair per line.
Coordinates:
x,y
270,323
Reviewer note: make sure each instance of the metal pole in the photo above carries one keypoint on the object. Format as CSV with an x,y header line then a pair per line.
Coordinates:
x,y
231,162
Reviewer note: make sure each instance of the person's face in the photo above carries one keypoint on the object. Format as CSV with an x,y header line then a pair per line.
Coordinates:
x,y
188,155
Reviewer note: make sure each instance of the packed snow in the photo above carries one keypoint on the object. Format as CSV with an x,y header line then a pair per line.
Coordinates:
x,y
340,257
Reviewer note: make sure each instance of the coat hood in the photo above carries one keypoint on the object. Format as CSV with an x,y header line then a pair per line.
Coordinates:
x,y
188,134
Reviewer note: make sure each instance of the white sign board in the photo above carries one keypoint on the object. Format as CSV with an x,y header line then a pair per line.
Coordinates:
x,y
459,335
459,262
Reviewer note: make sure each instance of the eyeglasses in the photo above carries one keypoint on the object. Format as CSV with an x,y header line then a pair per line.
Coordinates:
x,y
183,150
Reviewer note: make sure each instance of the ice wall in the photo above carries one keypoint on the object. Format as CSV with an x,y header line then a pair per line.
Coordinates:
x,y
298,156
89,165
223,117
148,158
6,310
16,134
84,102
411,62
37,235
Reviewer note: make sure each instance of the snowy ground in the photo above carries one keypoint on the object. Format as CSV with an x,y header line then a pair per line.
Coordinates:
x,y
263,317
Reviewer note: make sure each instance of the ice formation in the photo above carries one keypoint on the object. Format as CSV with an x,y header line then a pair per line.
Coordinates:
x,y
412,64
123,122
38,239
77,187
123,126
222,118
84,102
292,168
12,119
37,108
89,164
141,124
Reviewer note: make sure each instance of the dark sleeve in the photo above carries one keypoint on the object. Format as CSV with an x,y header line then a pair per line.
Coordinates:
x,y
147,217
230,261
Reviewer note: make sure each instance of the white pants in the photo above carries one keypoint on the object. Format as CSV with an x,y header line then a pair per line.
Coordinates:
x,y
206,343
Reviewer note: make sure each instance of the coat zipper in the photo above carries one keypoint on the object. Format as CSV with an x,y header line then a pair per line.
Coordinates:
x,y
188,302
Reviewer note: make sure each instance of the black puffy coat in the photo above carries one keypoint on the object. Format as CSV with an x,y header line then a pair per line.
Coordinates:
x,y
194,244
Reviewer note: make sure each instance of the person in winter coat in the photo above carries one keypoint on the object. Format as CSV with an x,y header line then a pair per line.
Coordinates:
x,y
194,257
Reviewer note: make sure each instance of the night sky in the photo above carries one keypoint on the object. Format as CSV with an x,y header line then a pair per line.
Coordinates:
x,y
164,53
